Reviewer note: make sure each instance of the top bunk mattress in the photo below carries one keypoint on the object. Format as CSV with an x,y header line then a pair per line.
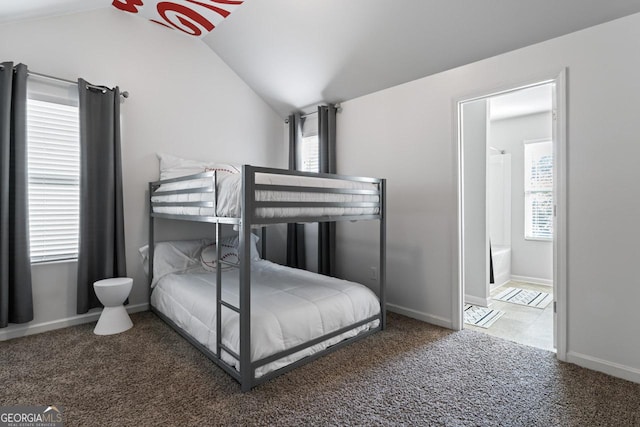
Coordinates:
x,y
229,196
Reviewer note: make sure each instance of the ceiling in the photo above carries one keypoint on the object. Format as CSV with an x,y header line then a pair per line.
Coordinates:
x,y
13,10
531,100
296,54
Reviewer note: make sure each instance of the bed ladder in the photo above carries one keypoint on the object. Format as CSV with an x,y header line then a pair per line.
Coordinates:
x,y
219,301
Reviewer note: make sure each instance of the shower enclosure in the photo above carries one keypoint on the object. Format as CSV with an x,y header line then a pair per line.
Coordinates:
x,y
499,214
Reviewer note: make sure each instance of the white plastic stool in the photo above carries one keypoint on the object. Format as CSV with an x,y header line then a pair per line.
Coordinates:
x,y
112,293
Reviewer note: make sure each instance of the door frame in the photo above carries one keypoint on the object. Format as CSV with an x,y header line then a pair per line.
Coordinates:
x,y
559,136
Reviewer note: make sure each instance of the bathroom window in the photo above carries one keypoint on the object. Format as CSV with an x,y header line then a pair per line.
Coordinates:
x,y
538,190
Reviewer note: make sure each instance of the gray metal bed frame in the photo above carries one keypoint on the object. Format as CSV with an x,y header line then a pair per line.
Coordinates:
x,y
246,374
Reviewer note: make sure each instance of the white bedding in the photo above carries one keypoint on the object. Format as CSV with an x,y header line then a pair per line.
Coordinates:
x,y
230,193
288,307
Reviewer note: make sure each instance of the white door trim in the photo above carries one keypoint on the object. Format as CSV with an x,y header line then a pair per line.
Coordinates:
x,y
560,194
560,223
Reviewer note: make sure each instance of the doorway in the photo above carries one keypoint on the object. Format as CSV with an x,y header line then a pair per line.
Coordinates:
x,y
511,209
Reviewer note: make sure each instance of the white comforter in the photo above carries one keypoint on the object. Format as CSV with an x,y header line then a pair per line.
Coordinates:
x,y
230,193
288,307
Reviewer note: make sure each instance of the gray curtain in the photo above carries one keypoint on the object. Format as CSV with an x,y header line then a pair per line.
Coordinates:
x,y
101,251
16,302
327,151
295,232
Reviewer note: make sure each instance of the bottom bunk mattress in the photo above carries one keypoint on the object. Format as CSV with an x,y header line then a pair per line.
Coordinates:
x,y
288,307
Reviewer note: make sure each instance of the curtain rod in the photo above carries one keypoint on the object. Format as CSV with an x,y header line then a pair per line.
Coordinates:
x,y
124,94
337,106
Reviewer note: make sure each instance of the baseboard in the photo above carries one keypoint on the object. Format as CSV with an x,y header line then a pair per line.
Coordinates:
x,y
495,286
414,314
534,280
614,369
37,328
482,302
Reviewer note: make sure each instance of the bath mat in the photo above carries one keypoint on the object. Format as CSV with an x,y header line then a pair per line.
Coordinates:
x,y
526,297
480,316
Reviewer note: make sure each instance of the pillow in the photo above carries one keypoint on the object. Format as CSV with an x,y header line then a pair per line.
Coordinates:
x,y
174,167
228,253
178,256
144,258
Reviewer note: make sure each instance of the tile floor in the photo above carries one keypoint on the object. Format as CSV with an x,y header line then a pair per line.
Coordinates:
x,y
522,324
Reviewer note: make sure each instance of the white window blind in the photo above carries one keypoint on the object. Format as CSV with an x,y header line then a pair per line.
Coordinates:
x,y
309,160
310,154
538,186
53,139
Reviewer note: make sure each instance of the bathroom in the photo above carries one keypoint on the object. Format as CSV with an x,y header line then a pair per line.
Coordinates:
x,y
519,206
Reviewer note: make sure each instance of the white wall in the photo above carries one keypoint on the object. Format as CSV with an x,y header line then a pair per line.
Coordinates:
x,y
406,135
499,199
529,258
184,100
476,255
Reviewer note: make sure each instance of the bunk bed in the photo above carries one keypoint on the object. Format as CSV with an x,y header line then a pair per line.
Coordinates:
x,y
251,198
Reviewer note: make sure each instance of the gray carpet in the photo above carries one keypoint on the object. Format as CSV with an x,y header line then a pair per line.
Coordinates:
x,y
410,374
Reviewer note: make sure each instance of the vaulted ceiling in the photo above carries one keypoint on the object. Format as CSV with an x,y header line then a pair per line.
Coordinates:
x,y
298,53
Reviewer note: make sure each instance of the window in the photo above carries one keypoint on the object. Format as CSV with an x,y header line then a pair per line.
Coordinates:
x,y
538,190
53,149
310,154
309,160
